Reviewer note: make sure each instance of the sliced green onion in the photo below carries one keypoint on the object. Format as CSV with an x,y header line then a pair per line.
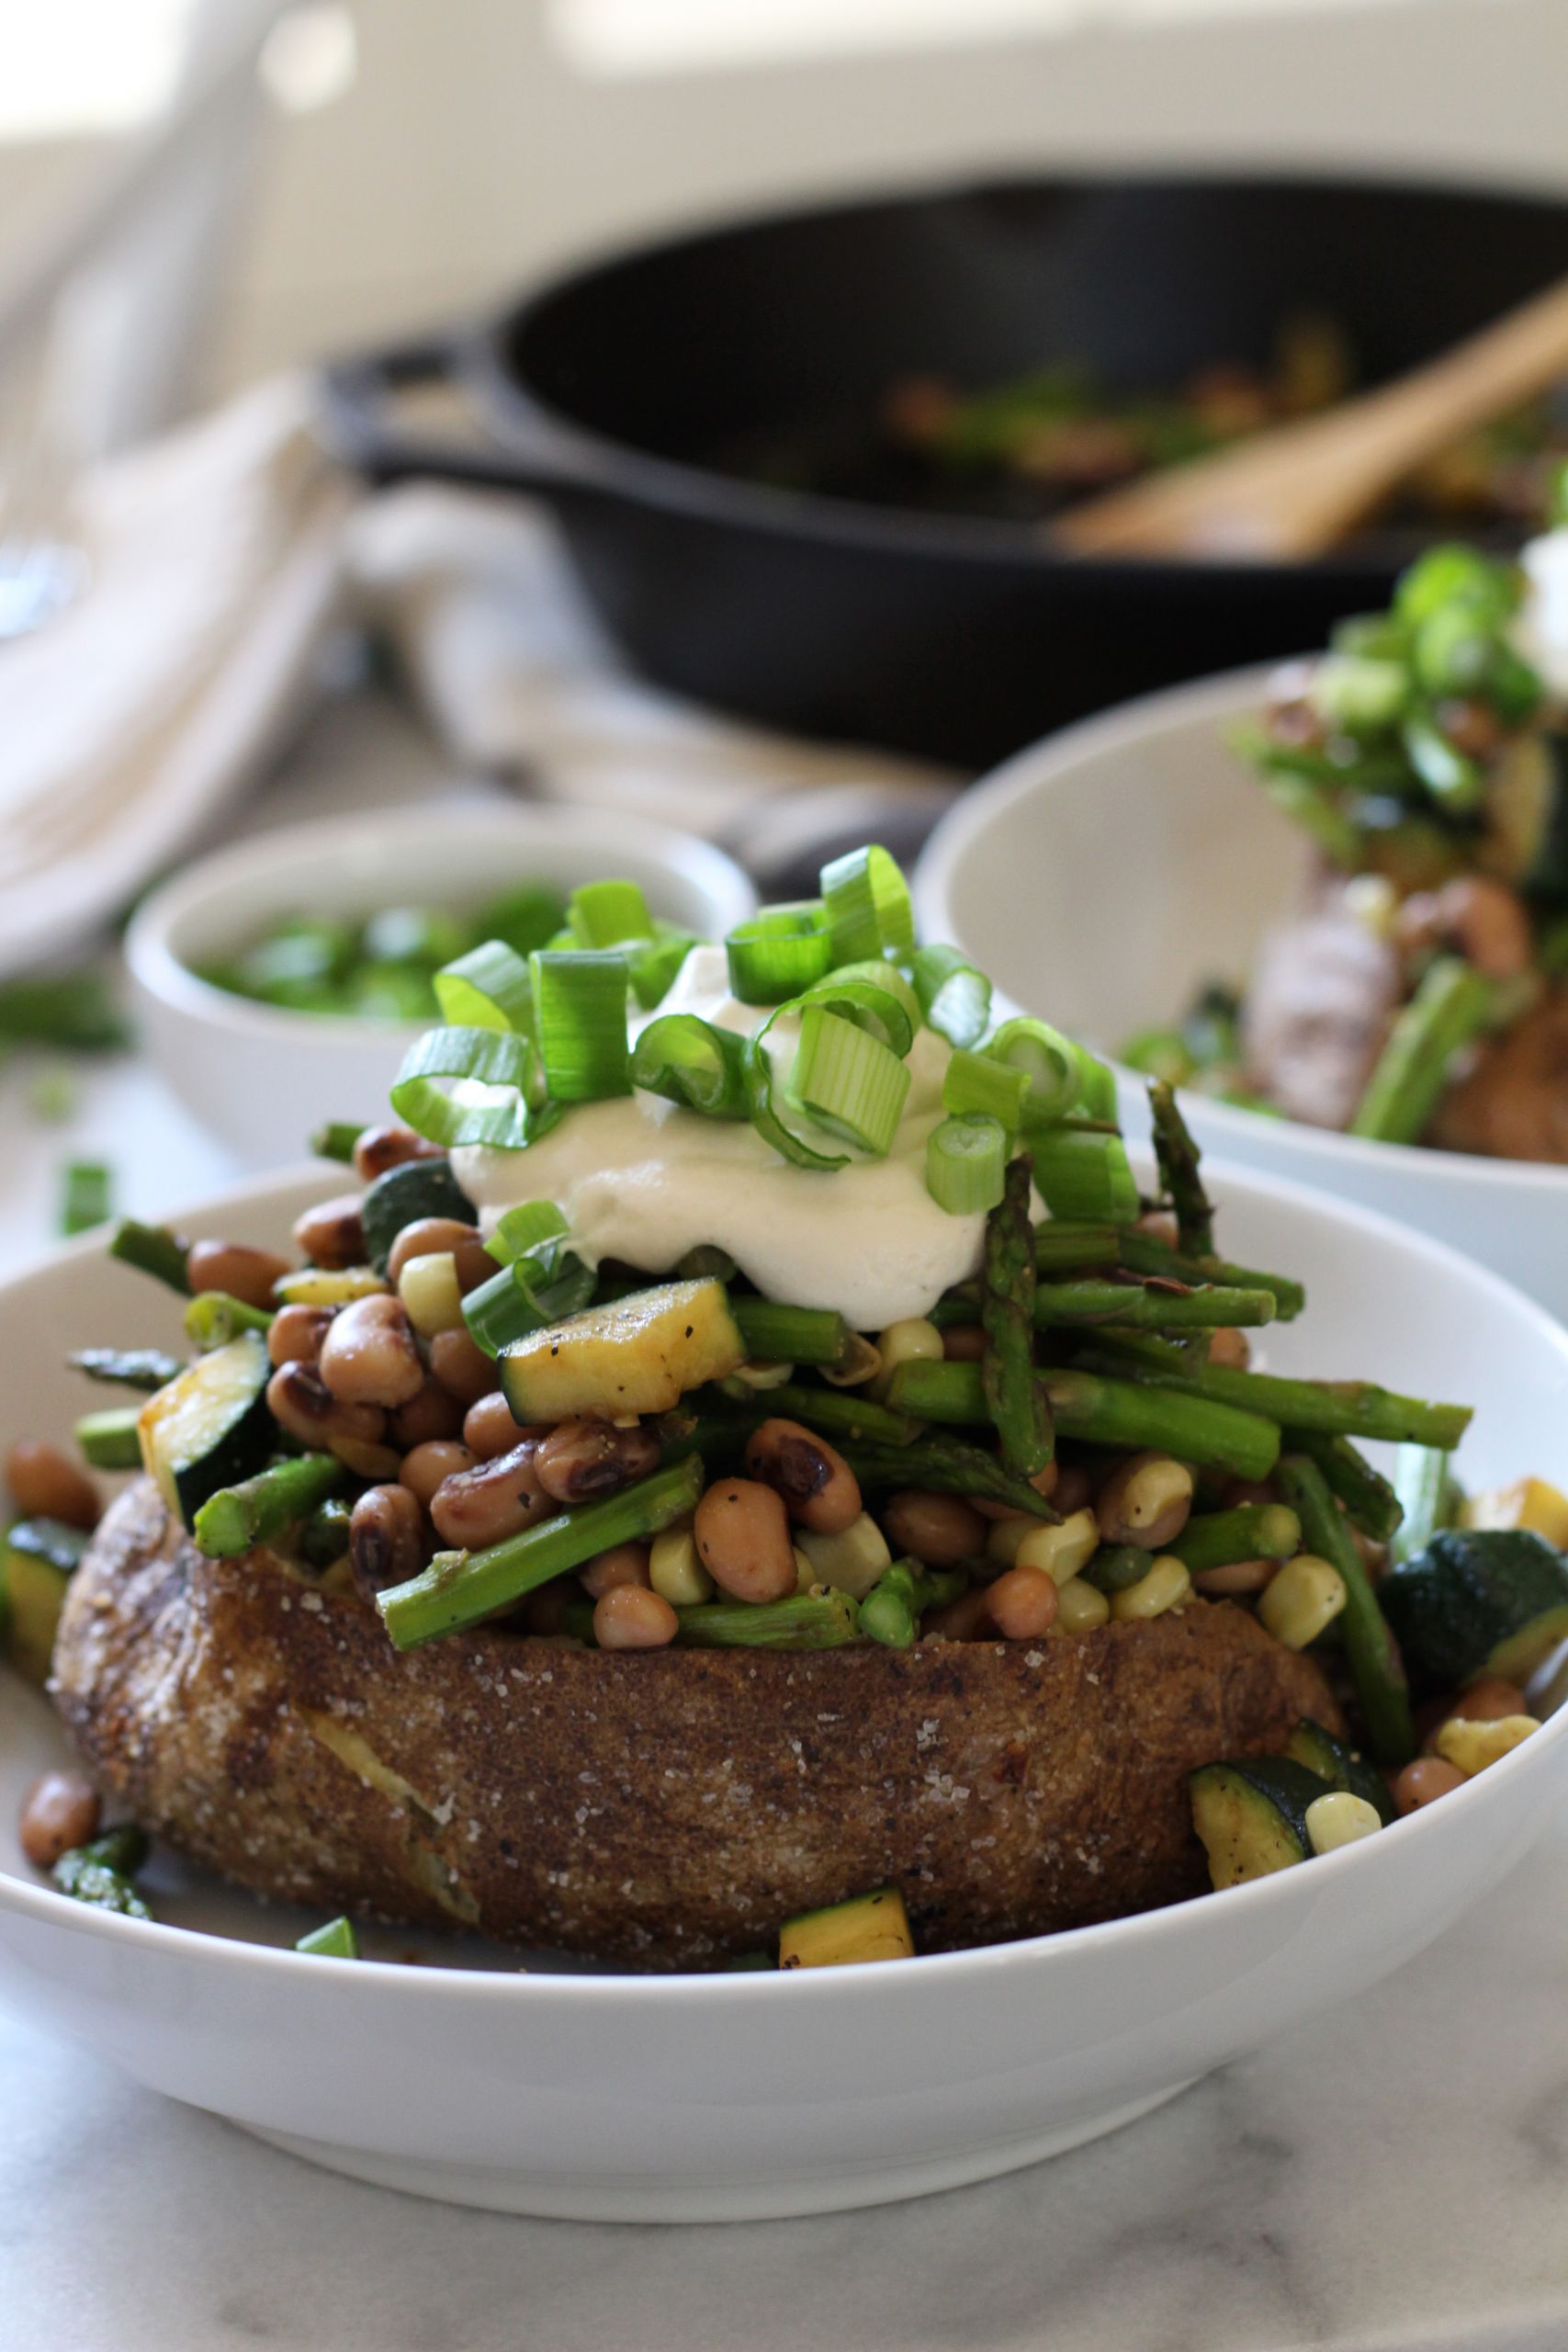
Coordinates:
x,y
877,998
975,1082
954,998
867,901
849,1081
966,1162
1085,1176
608,914
484,1055
690,1061
777,953
765,1114
86,1195
580,1004
1050,1061
152,1250
336,1139
487,989
654,963
500,1311
544,1285
1096,1080
111,1439
523,1228
336,1941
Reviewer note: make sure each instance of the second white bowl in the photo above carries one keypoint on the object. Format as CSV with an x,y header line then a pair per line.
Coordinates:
x,y
1103,876
264,1078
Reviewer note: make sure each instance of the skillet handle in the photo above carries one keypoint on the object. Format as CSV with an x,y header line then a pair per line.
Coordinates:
x,y
357,398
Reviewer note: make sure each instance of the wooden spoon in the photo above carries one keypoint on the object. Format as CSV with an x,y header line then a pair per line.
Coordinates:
x,y
1296,489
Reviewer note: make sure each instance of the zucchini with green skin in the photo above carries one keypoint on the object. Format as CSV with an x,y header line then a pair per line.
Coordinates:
x,y
1477,1601
146,1368
109,1441
1526,817
639,1354
1342,1767
417,1188
1251,1816
211,1427
36,1561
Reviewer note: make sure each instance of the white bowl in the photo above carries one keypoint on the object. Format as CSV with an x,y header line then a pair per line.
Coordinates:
x,y
1101,876
742,2096
264,1078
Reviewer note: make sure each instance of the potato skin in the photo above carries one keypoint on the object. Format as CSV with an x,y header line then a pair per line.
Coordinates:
x,y
669,1808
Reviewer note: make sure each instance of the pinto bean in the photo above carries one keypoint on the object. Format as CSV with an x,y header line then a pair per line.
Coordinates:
x,y
427,1467
386,1538
296,1334
46,1484
426,1419
492,1502
429,1237
742,1537
818,1485
939,1530
379,1149
368,1356
61,1810
461,1366
629,1617
622,1564
964,1620
584,1458
246,1273
333,1233
300,1402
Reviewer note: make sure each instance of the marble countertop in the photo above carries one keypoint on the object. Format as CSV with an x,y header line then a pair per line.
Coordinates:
x,y
1390,2178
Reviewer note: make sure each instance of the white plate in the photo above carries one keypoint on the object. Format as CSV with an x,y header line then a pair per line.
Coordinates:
x,y
1103,876
741,2097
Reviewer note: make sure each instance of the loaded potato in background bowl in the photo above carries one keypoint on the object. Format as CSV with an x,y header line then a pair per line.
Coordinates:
x,y
519,1562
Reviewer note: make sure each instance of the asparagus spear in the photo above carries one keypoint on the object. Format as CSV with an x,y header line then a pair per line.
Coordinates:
x,y
460,1587
213,1318
1062,1247
832,1412
1210,1434
1424,1484
1116,1567
1448,1009
1211,1307
1143,1253
323,1538
1178,1157
804,1620
777,1334
892,1609
237,1517
336,1139
1370,1503
152,1250
128,1367
1343,1407
101,1873
1014,1396
1216,1539
945,1467
1375,1663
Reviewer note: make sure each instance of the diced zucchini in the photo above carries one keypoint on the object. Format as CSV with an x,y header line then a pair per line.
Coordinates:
x,y
1251,1816
868,1927
36,1565
420,1188
109,1441
327,1286
1529,1502
1526,816
639,1354
1477,1601
1343,1767
211,1427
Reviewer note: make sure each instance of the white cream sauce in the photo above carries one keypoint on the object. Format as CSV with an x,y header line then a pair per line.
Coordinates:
x,y
641,1180
1541,629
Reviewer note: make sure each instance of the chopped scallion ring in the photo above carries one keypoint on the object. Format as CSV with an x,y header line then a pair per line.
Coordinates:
x,y
608,914
690,1061
580,1011
868,907
778,954
482,1057
869,1004
954,998
523,1228
654,963
1051,1062
975,1082
1083,1176
848,1080
764,1111
487,989
966,1162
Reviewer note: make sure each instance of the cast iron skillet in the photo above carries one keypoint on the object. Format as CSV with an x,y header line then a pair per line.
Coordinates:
x,y
626,395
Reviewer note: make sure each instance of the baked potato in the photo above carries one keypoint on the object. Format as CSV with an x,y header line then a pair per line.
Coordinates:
x,y
668,1808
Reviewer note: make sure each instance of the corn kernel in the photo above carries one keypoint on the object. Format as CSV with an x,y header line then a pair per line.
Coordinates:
x,y
1300,1600
321,1286
1470,1747
1167,1585
850,1562
1339,1819
1529,1502
428,1289
1061,1551
674,1570
914,1340
1079,1607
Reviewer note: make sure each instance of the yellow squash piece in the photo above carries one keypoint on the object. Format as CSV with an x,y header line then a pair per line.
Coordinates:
x,y
868,1927
636,1355
1529,1502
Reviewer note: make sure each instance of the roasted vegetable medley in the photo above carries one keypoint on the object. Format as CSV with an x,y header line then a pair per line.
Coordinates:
x,y
1419,996
450,1424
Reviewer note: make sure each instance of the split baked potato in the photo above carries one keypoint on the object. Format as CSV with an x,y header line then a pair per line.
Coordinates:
x,y
668,1808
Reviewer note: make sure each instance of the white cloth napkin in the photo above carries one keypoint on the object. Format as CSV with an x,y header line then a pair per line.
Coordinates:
x,y
220,559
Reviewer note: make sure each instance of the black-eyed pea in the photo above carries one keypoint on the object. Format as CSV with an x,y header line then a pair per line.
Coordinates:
x,y
492,1502
622,1564
489,1427
246,1273
438,1235
333,1233
386,1538
368,1356
631,1617
59,1811
461,1366
379,1149
818,1485
296,1334
46,1484
427,1467
584,1458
